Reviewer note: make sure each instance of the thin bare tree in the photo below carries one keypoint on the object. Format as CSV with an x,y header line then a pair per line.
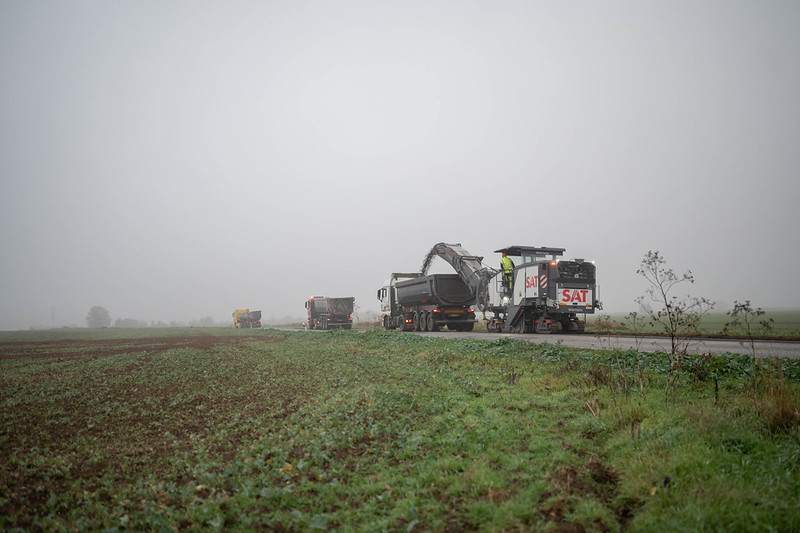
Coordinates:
x,y
678,318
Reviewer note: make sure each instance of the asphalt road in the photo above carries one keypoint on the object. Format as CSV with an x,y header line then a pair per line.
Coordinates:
x,y
790,349
645,344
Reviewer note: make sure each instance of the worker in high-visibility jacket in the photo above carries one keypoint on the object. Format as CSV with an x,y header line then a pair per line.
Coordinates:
x,y
507,265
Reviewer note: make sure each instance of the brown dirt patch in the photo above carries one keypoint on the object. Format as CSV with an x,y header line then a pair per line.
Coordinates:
x,y
118,419
104,347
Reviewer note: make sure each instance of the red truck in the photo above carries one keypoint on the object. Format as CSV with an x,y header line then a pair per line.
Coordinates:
x,y
330,313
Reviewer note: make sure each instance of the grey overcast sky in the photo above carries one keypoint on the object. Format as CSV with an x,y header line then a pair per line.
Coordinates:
x,y
172,160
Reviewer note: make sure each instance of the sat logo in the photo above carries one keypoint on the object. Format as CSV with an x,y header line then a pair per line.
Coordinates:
x,y
575,296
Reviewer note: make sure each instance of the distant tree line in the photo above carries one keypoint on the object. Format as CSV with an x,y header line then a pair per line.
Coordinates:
x,y
130,323
99,317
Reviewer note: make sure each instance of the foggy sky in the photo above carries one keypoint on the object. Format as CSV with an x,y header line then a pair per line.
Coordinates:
x,y
176,160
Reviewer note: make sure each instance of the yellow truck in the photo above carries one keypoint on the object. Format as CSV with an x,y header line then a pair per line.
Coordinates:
x,y
245,318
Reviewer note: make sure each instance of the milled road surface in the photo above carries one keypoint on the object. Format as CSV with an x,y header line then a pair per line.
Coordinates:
x,y
645,344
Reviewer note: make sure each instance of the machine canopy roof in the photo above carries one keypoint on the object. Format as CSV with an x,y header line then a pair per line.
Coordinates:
x,y
531,250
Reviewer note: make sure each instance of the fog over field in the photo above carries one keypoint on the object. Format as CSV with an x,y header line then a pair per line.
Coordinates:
x,y
173,160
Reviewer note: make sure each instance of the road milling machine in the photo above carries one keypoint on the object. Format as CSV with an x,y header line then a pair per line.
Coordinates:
x,y
546,294
541,294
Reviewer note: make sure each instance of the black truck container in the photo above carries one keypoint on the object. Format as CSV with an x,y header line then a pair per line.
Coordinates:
x,y
244,318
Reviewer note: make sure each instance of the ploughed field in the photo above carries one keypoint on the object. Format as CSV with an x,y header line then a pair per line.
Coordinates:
x,y
187,429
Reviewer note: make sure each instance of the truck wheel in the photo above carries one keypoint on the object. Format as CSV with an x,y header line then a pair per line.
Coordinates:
x,y
431,322
423,322
415,320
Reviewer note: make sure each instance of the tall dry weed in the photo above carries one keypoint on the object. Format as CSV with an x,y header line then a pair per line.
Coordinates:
x,y
779,405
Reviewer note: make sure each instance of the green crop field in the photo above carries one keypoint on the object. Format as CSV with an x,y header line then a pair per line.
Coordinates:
x,y
781,325
203,429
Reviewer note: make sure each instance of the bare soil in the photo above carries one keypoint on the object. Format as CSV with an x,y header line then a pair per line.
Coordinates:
x,y
159,420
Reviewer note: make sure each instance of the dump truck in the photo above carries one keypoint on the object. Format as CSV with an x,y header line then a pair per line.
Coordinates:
x,y
416,302
330,313
245,318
